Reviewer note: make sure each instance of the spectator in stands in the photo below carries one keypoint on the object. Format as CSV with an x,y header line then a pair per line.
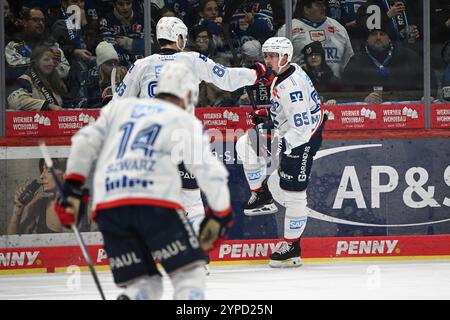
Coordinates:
x,y
211,96
34,201
251,53
344,11
79,42
186,10
209,13
440,30
319,72
385,64
18,51
314,25
96,90
125,29
400,16
203,41
249,23
446,75
40,88
11,24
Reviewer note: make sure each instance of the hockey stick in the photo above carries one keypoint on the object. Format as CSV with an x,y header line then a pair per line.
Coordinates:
x,y
87,257
113,80
249,91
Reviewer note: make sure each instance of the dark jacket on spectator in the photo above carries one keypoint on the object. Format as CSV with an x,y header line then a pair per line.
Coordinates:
x,y
85,39
18,53
112,27
404,72
395,24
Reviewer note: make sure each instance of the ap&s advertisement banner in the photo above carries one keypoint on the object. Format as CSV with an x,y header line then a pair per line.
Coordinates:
x,y
376,187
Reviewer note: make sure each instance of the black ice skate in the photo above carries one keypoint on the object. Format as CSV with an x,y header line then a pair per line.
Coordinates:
x,y
287,256
260,202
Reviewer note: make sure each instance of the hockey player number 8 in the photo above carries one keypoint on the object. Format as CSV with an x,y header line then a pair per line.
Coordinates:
x,y
144,139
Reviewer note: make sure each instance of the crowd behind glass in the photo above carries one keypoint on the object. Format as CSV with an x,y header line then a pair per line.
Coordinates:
x,y
53,63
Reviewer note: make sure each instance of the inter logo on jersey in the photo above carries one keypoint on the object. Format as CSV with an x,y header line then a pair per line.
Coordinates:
x,y
296,96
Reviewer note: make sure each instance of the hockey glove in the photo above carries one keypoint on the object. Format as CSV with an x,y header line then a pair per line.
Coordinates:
x,y
214,228
264,75
260,137
260,115
73,204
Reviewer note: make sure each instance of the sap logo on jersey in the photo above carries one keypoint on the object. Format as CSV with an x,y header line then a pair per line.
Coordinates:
x,y
297,224
126,182
12,259
296,96
366,247
254,175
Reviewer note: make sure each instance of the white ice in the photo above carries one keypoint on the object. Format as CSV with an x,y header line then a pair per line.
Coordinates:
x,y
338,280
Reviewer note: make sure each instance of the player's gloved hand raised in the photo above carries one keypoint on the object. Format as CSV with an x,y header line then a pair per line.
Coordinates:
x,y
260,115
214,228
264,75
73,204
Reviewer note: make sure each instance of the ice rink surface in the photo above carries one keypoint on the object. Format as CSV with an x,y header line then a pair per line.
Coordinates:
x,y
317,281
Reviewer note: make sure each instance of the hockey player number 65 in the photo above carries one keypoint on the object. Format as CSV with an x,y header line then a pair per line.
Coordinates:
x,y
301,119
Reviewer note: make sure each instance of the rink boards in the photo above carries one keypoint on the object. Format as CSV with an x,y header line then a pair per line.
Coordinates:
x,y
46,259
381,195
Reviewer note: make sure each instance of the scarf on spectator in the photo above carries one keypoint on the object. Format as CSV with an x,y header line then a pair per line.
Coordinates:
x,y
74,33
398,22
122,20
383,69
47,93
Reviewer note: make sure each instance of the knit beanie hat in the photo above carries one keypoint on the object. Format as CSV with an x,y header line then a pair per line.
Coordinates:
x,y
313,48
252,49
104,52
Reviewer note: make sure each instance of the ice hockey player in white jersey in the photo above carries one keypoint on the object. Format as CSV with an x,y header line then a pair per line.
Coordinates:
x,y
141,81
297,122
138,145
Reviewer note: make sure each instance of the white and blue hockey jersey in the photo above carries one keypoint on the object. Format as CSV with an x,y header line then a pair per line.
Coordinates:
x,y
295,108
141,79
331,34
138,144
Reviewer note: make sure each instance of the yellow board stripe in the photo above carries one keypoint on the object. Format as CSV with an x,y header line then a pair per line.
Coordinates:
x,y
83,269
23,271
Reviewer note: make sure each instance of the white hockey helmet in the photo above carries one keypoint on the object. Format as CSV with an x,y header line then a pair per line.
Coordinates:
x,y
280,45
170,28
180,81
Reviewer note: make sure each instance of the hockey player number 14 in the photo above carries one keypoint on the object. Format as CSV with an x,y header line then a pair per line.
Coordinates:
x,y
144,139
